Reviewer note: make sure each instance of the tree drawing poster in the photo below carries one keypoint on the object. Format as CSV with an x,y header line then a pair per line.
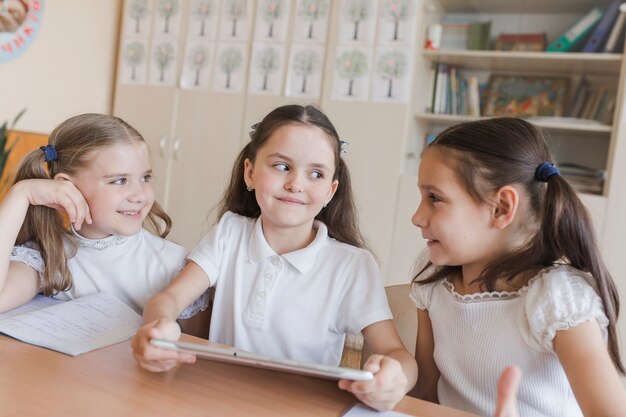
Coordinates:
x,y
266,68
311,21
137,18
272,20
235,20
133,61
357,21
162,63
167,17
196,72
397,22
304,72
203,19
351,75
391,75
230,67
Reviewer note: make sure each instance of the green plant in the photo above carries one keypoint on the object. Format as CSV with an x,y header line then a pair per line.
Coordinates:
x,y
4,137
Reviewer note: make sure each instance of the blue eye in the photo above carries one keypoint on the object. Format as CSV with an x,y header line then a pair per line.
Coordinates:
x,y
121,181
317,174
281,166
146,178
433,198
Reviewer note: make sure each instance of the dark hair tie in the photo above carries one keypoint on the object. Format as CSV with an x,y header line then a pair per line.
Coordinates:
x,y
49,152
545,170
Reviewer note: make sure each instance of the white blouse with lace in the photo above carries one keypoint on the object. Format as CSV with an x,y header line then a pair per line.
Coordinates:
x,y
476,336
133,268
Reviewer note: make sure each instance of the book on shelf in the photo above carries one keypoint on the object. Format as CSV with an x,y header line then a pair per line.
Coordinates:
x,y
72,327
478,36
601,32
615,42
572,39
532,42
593,103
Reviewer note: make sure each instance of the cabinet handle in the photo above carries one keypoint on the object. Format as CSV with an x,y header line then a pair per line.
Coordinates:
x,y
176,148
162,143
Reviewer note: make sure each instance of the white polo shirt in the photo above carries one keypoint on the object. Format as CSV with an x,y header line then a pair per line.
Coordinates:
x,y
299,305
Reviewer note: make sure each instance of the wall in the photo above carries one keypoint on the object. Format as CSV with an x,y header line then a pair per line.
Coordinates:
x,y
68,69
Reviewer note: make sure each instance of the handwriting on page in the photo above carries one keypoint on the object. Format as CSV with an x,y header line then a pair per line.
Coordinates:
x,y
75,326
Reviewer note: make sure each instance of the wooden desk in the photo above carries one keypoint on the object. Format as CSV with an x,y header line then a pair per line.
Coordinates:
x,y
39,382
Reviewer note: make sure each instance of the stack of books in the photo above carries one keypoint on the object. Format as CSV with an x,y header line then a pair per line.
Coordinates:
x,y
593,103
452,93
583,179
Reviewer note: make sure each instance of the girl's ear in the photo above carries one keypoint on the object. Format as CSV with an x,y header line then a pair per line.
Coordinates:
x,y
333,190
505,209
247,173
63,176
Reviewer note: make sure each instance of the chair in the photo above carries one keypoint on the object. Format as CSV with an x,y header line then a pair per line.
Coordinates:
x,y
356,352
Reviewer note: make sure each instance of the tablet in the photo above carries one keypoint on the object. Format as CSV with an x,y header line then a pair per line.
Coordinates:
x,y
230,355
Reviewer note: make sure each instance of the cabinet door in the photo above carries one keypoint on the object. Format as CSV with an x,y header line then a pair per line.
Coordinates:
x,y
207,140
150,111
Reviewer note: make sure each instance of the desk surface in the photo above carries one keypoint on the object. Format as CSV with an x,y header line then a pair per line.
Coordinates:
x,y
107,382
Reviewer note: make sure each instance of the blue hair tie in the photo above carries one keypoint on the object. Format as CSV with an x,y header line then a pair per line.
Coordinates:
x,y
545,170
49,152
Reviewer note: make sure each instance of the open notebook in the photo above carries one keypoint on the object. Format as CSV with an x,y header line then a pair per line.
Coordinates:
x,y
225,354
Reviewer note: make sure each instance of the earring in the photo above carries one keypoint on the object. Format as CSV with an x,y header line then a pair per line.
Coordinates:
x,y
325,204
249,188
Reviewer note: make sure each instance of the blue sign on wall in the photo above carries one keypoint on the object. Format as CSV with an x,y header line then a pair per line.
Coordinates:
x,y
15,40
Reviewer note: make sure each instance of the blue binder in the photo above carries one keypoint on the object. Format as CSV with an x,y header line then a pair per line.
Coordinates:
x,y
601,33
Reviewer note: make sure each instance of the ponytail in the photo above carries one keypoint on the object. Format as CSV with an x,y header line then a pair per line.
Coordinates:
x,y
566,232
46,227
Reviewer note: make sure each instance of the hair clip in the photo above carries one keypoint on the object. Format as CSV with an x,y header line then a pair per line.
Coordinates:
x,y
343,146
253,127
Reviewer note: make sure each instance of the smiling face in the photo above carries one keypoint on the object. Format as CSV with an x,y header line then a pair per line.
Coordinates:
x,y
292,177
116,184
459,230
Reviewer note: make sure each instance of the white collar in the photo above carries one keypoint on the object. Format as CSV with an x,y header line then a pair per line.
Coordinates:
x,y
99,244
302,259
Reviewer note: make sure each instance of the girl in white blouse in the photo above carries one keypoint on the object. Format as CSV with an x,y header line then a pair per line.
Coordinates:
x,y
95,168
514,277
288,262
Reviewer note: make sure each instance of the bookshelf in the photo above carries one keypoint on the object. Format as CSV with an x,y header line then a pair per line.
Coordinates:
x,y
589,143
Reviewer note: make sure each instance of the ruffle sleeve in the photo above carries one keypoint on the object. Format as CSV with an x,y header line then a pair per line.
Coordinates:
x,y
422,294
559,298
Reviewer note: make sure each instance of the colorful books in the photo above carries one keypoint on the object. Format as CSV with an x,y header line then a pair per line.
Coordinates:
x,y
601,32
571,39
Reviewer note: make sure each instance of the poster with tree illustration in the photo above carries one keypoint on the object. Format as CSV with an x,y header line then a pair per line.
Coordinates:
x,y
137,18
196,71
167,18
311,21
397,22
235,20
133,67
272,20
304,76
357,23
163,63
203,16
351,77
391,76
229,68
266,68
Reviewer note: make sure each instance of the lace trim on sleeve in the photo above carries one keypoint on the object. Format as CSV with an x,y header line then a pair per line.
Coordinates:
x,y
561,299
199,305
31,257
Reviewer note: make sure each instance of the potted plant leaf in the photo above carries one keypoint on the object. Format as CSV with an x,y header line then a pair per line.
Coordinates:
x,y
5,150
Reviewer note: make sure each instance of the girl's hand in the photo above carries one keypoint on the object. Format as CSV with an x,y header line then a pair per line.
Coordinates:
x,y
152,358
508,383
57,194
387,388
